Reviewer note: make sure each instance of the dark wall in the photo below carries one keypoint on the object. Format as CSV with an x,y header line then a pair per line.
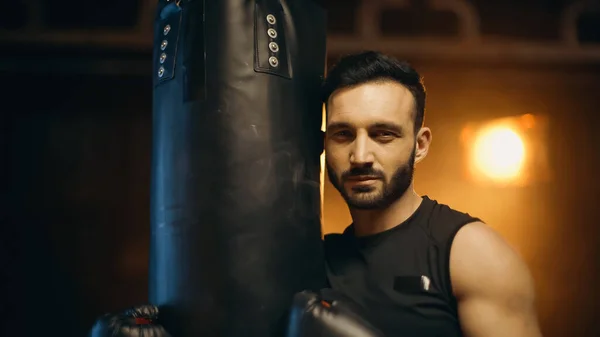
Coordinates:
x,y
79,173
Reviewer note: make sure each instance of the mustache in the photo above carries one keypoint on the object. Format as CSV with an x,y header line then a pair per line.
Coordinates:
x,y
362,171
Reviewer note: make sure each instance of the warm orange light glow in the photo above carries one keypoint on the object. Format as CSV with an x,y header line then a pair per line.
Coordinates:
x,y
507,151
499,153
528,121
323,125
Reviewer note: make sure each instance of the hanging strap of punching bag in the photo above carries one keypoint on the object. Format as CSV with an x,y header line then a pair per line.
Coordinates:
x,y
271,54
174,18
166,40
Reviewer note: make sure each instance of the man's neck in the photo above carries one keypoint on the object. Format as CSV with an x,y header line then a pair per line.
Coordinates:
x,y
368,222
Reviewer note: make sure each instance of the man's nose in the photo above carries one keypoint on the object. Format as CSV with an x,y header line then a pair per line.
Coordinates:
x,y
361,154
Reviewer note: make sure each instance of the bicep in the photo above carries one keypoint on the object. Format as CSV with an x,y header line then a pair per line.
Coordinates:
x,y
482,317
493,286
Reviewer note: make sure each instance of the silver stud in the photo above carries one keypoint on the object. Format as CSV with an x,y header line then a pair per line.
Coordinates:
x,y
272,33
274,47
163,44
271,19
161,71
163,57
273,61
167,29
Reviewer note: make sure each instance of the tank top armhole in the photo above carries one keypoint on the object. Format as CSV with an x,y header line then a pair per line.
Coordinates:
x,y
448,249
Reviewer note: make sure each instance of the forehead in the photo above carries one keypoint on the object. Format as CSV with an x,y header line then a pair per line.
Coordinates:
x,y
388,102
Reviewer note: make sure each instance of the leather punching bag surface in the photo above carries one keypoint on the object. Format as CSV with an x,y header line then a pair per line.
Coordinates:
x,y
235,171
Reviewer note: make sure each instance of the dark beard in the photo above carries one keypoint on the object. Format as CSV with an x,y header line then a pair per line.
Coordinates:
x,y
390,192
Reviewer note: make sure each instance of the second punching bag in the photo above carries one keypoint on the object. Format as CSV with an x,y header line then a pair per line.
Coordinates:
x,y
236,160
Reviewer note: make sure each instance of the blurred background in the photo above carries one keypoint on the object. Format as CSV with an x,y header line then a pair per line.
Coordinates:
x,y
513,96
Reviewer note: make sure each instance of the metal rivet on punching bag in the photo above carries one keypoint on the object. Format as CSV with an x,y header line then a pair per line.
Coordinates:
x,y
272,33
163,45
273,61
163,57
161,71
274,47
167,29
271,19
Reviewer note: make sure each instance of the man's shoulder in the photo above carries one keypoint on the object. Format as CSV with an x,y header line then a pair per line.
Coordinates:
x,y
336,239
443,210
442,221
332,237
348,231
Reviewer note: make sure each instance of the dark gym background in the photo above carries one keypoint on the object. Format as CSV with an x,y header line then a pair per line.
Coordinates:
x,y
75,130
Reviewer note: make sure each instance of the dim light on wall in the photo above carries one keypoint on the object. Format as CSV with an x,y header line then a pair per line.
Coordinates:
x,y
507,151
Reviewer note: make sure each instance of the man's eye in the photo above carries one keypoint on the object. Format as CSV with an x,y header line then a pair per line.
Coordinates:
x,y
342,134
384,134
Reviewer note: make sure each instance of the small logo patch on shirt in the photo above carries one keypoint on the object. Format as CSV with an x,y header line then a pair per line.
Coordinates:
x,y
425,282
417,284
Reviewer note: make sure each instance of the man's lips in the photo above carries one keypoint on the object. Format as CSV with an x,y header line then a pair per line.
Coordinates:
x,y
361,178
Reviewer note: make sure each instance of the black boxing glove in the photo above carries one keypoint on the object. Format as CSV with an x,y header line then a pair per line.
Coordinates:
x,y
328,314
140,321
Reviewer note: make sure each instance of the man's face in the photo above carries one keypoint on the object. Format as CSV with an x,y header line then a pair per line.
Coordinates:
x,y
370,143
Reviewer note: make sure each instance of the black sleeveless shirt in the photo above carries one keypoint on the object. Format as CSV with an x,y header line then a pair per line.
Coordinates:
x,y
401,276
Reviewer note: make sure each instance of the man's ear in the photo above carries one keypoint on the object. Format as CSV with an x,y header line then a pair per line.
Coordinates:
x,y
423,141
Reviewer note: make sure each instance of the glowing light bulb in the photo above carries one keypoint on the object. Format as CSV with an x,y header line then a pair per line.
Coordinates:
x,y
499,153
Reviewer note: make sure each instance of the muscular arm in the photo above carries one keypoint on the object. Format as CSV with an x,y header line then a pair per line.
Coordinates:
x,y
492,284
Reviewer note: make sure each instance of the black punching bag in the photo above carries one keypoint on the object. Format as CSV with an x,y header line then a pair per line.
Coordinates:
x,y
236,163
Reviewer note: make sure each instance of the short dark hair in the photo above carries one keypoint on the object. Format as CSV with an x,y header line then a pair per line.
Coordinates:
x,y
372,66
